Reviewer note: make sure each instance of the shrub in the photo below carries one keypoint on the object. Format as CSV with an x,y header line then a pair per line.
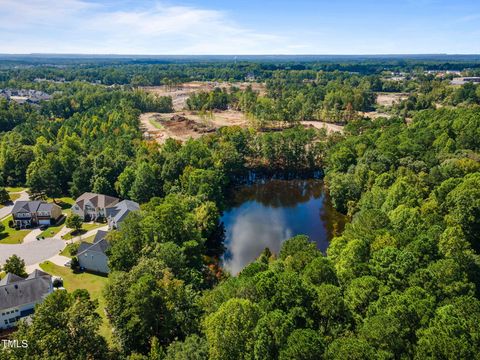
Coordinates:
x,y
57,283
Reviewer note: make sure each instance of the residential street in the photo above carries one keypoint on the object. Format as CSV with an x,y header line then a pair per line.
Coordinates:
x,y
37,251
32,252
5,211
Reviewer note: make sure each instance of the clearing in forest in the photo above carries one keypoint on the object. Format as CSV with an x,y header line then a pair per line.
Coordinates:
x,y
181,92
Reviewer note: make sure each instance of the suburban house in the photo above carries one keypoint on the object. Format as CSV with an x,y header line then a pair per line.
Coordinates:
x,y
93,257
116,214
34,213
92,207
18,296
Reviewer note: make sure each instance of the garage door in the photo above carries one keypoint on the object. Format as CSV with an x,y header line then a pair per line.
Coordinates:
x,y
44,222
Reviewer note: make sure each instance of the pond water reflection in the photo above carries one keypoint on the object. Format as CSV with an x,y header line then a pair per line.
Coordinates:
x,y
266,214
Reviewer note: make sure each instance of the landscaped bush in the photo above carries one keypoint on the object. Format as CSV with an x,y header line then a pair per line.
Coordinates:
x,y
57,283
73,249
75,265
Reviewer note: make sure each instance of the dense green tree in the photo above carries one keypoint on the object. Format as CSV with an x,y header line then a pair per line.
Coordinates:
x,y
453,330
65,326
303,344
4,196
74,221
15,265
229,331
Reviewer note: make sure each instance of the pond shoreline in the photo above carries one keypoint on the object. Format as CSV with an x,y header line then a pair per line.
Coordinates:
x,y
264,212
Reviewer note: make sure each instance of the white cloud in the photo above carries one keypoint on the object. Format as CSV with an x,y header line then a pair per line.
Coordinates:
x,y
78,26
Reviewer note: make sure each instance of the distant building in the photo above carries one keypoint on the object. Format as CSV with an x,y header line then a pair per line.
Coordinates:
x,y
116,214
93,257
464,80
91,207
22,96
19,296
33,213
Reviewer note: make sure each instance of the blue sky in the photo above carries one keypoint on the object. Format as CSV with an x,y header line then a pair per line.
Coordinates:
x,y
240,26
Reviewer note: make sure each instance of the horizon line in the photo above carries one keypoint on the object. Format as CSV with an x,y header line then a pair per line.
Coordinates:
x,y
279,54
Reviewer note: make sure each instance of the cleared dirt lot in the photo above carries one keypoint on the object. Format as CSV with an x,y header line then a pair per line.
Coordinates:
x,y
331,128
183,125
181,92
388,99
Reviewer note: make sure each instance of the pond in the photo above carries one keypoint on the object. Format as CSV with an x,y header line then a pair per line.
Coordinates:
x,y
266,214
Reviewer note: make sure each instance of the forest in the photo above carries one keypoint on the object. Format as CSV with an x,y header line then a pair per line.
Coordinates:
x,y
401,281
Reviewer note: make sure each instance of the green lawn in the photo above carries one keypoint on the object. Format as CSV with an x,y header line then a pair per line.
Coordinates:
x,y
12,236
93,283
85,228
14,197
64,202
15,189
66,251
53,230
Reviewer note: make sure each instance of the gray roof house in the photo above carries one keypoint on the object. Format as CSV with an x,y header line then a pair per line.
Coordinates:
x,y
116,214
91,206
19,296
93,257
34,213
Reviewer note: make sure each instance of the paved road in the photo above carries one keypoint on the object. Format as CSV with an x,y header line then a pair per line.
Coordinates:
x,y
58,259
38,251
32,236
5,211
32,252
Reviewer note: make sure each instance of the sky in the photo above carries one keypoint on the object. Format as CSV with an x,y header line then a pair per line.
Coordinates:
x,y
217,27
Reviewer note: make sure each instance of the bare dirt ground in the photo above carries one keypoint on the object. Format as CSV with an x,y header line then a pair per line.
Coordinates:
x,y
331,128
183,125
181,92
385,100
388,99
376,114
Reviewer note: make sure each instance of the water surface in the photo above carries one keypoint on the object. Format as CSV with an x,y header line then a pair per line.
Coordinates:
x,y
266,214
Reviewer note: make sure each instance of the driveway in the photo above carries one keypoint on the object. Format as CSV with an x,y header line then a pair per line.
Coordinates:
x,y
6,210
86,235
32,252
32,236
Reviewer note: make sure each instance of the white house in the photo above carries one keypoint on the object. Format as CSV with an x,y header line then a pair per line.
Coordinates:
x,y
91,206
116,214
93,257
19,296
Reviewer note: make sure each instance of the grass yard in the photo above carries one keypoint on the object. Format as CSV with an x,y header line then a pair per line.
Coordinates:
x,y
85,228
54,229
15,189
64,202
66,251
12,236
14,197
93,283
